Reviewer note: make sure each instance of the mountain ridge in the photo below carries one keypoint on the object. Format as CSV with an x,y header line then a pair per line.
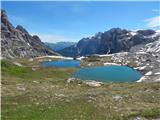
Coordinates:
x,y
17,42
59,45
112,41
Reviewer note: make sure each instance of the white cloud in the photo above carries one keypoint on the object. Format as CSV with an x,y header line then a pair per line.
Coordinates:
x,y
54,38
155,10
153,22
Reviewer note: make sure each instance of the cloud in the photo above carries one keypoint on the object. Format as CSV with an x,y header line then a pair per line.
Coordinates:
x,y
54,38
155,10
153,22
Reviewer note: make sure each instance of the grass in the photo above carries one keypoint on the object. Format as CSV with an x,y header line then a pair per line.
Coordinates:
x,y
44,94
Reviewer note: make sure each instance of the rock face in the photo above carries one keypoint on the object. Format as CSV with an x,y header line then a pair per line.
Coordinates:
x,y
112,41
17,42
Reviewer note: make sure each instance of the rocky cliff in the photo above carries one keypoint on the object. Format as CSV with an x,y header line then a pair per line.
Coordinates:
x,y
113,41
17,42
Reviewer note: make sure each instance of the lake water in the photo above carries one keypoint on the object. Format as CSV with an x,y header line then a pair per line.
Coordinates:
x,y
62,63
101,73
109,74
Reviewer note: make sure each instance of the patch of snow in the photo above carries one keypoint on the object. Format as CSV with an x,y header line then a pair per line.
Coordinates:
x,y
105,55
158,73
158,31
141,79
60,57
157,80
28,44
141,52
149,73
112,64
141,68
133,33
80,58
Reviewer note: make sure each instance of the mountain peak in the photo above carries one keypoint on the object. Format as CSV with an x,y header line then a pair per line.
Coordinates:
x,y
112,41
4,15
17,42
20,28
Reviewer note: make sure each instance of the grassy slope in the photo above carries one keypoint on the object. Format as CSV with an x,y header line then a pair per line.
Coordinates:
x,y
44,94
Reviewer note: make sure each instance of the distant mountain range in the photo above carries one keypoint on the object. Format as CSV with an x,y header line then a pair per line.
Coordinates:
x,y
17,42
112,41
59,45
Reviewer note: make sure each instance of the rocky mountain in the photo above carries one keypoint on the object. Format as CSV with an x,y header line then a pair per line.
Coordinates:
x,y
17,42
59,45
113,41
71,51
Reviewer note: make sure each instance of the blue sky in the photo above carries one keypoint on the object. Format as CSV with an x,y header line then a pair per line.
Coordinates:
x,y
70,21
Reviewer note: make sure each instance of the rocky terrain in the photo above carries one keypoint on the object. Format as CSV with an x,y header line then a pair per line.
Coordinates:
x,y
146,59
113,41
46,94
139,50
17,42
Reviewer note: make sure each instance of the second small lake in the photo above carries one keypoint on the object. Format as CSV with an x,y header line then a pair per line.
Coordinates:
x,y
62,63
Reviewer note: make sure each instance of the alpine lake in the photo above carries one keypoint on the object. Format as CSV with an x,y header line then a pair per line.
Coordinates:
x,y
110,73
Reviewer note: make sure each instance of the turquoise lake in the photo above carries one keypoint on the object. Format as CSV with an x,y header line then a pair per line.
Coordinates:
x,y
62,63
109,74
100,73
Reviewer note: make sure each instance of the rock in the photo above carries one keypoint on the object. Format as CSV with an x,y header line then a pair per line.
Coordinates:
x,y
112,41
34,69
117,97
17,42
70,80
21,88
93,83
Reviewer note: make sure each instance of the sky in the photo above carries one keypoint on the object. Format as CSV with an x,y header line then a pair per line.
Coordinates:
x,y
55,21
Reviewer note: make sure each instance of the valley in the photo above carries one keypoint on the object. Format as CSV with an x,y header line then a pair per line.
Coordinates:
x,y
112,75
45,93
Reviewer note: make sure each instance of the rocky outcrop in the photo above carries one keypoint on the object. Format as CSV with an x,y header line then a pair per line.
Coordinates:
x,y
17,42
113,41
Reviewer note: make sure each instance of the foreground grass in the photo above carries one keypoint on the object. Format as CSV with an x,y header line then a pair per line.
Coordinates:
x,y
44,94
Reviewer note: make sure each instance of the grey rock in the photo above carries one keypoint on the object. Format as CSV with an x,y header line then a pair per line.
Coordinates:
x,y
17,42
113,41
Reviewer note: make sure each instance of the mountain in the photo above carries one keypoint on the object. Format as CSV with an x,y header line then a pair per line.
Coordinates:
x,y
112,41
17,42
71,51
59,45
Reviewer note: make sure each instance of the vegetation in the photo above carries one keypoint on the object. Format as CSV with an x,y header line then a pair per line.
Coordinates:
x,y
36,93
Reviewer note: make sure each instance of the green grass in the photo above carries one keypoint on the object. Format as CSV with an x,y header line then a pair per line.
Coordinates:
x,y
44,94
